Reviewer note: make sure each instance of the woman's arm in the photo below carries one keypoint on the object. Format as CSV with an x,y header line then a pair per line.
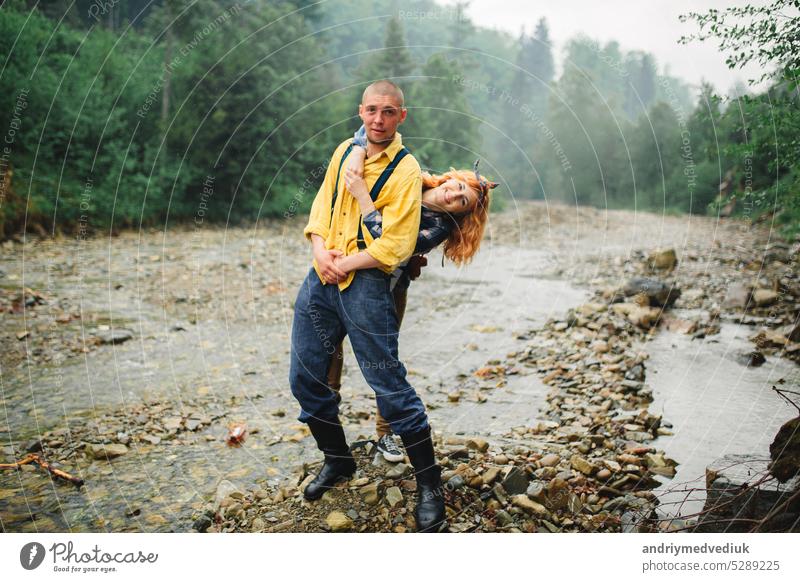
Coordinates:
x,y
358,188
355,160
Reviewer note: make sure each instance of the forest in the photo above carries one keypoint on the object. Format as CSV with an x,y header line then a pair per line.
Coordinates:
x,y
143,113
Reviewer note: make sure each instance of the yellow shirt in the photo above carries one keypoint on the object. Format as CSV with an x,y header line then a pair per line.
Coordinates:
x,y
399,203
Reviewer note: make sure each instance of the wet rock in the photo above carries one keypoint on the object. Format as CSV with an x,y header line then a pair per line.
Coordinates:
x,y
516,482
34,446
202,523
657,293
751,359
338,521
731,495
785,451
114,336
105,451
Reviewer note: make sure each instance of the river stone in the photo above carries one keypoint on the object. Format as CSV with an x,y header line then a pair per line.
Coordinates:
x,y
398,471
636,373
114,336
736,296
202,523
764,297
110,451
394,496
516,482
658,293
338,521
662,259
489,475
369,493
603,474
527,504
536,491
224,490
752,359
580,464
456,482
478,444
503,518
643,317
550,460
557,493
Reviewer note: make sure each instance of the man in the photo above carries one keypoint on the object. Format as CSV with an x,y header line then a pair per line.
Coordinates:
x,y
347,293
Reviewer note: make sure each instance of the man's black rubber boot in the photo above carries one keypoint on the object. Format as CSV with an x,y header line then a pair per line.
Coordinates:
x,y
430,492
339,463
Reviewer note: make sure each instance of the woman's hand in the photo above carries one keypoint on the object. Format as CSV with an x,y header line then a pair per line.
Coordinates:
x,y
355,161
356,185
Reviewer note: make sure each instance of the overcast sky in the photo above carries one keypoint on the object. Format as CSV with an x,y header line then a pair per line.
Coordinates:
x,y
649,25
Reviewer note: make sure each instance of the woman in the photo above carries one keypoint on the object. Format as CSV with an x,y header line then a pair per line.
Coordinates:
x,y
455,209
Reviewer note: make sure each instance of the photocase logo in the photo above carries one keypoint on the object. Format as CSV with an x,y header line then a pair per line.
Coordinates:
x,y
31,555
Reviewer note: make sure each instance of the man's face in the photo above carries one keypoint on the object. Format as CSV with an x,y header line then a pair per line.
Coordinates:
x,y
381,115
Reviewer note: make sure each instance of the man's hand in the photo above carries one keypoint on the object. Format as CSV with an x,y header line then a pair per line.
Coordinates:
x,y
325,260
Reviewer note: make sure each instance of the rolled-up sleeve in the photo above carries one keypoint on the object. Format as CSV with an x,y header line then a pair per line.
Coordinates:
x,y
320,217
401,216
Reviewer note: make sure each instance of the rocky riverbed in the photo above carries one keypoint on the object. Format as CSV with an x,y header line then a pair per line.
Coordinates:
x,y
127,360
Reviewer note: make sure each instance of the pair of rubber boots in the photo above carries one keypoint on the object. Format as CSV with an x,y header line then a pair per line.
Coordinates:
x,y
340,465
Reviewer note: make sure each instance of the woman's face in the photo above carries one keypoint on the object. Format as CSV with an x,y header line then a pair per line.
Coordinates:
x,y
453,197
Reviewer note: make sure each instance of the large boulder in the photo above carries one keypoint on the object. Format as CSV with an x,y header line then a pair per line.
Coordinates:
x,y
785,451
732,498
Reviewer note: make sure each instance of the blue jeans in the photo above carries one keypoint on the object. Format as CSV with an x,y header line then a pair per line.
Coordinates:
x,y
365,313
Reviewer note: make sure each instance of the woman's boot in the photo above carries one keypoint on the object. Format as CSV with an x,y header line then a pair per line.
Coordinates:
x,y
339,463
430,493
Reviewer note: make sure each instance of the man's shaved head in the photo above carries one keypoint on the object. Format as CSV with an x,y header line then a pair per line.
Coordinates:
x,y
386,88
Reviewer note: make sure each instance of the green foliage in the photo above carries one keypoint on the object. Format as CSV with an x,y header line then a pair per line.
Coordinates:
x,y
125,118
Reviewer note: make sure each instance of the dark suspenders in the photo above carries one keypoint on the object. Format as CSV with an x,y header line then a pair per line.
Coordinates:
x,y
376,188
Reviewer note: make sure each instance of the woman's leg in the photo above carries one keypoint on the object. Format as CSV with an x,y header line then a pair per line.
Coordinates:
x,y
400,294
335,370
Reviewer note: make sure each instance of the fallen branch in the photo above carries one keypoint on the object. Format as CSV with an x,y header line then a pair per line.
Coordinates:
x,y
38,460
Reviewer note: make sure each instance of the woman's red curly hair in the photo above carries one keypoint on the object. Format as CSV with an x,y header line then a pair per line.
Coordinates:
x,y
465,239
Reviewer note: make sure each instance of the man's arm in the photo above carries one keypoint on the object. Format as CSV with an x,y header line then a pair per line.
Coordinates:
x,y
319,219
361,260
400,222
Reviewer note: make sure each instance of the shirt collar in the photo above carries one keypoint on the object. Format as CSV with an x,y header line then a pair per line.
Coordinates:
x,y
392,149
